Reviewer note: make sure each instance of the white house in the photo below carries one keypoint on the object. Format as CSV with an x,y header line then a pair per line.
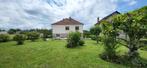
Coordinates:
x,y
62,28
3,32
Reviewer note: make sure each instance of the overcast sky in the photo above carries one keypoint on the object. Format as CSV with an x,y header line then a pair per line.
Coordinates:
x,y
27,14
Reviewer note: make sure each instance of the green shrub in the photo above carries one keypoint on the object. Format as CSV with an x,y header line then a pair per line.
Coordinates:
x,y
4,38
110,46
33,36
86,34
19,38
45,34
81,42
96,30
93,37
74,39
14,31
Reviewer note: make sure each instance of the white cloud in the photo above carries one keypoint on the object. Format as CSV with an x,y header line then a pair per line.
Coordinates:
x,y
132,2
41,13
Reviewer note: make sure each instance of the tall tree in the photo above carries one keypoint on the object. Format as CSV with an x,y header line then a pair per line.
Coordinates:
x,y
96,30
134,28
86,33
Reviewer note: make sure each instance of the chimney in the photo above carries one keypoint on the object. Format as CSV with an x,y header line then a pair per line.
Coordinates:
x,y
98,19
63,19
70,18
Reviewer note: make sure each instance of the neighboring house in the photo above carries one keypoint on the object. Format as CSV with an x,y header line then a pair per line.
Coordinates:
x,y
61,28
108,18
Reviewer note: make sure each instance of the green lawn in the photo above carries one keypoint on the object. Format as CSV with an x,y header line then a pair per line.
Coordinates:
x,y
54,54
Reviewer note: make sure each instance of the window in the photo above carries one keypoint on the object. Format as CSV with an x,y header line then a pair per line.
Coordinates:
x,y
77,28
57,35
67,28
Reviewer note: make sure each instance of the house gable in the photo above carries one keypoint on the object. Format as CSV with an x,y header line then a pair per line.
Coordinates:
x,y
108,18
68,21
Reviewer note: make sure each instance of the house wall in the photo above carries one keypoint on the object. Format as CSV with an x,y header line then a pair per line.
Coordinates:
x,y
3,32
60,29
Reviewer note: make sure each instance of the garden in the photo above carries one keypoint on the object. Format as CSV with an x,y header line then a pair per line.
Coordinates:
x,y
120,43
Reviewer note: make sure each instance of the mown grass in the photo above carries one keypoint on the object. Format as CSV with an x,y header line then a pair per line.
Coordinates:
x,y
54,54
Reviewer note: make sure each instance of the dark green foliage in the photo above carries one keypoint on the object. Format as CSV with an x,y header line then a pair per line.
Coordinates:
x,y
134,26
45,34
96,30
74,40
86,34
33,36
144,41
19,38
110,42
1,30
110,46
13,31
144,48
93,37
81,42
4,38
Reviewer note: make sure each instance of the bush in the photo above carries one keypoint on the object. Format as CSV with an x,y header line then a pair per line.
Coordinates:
x,y
32,36
19,38
93,37
13,31
4,38
74,40
109,49
96,30
110,46
81,42
86,34
45,34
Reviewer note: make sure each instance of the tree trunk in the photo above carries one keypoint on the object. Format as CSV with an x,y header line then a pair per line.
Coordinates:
x,y
97,39
133,50
133,53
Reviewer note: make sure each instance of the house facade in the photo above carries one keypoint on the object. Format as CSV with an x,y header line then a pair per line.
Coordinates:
x,y
61,28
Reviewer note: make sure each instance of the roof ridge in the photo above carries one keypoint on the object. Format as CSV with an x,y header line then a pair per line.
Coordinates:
x,y
108,16
68,21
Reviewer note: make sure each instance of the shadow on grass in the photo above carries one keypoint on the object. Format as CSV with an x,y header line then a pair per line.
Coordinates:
x,y
97,44
144,48
26,42
77,47
123,60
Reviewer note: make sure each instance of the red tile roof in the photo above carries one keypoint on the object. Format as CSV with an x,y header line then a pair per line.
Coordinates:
x,y
68,21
